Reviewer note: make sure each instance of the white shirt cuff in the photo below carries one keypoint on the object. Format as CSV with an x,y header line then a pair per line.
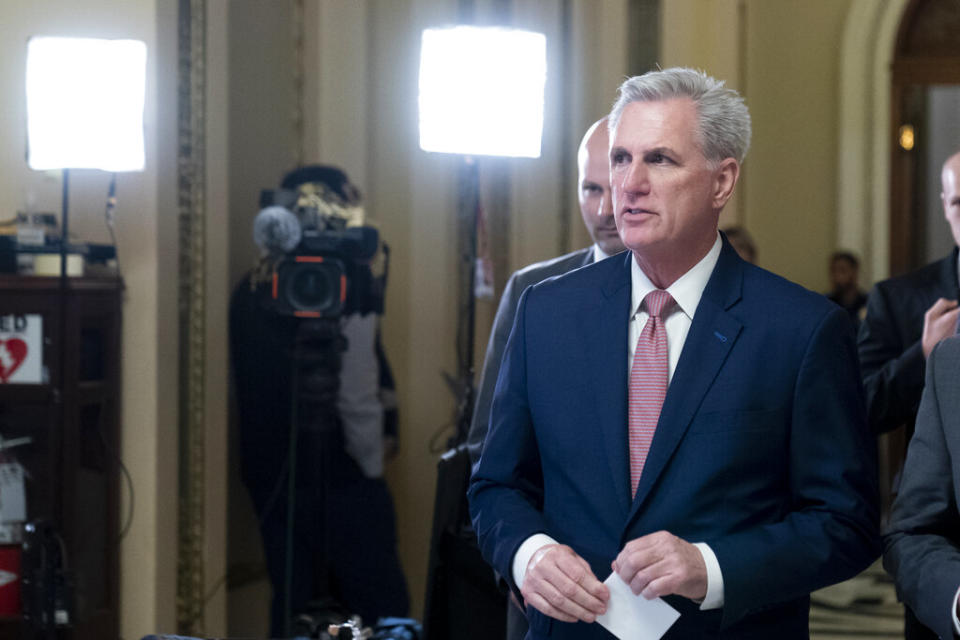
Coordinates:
x,y
714,597
953,612
522,557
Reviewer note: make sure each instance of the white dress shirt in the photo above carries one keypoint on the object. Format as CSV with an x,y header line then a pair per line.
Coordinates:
x,y
953,614
598,253
686,291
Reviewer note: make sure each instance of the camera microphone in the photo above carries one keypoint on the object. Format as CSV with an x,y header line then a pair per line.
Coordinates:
x,y
276,230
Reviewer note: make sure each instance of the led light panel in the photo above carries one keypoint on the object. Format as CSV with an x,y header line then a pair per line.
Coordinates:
x,y
85,101
481,91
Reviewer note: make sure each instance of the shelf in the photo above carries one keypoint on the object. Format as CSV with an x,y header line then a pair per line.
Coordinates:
x,y
72,474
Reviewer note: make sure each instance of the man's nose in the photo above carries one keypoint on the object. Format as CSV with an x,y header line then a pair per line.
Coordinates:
x,y
636,179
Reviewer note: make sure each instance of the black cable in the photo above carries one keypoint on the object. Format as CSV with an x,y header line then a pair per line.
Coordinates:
x,y
109,215
126,476
438,441
271,501
126,526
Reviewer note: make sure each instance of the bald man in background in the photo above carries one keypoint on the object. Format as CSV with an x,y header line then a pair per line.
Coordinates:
x,y
906,317
596,207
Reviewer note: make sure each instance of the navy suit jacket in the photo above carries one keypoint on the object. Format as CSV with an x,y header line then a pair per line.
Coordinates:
x,y
761,451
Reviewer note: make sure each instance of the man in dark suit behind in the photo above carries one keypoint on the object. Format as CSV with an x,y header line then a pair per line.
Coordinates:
x,y
596,208
922,544
731,471
906,317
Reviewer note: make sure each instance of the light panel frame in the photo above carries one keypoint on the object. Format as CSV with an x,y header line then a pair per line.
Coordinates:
x,y
482,91
85,103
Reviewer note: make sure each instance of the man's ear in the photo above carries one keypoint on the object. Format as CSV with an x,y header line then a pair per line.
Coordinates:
x,y
725,178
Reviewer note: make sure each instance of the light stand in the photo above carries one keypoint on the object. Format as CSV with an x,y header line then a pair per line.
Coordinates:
x,y
85,99
468,209
503,71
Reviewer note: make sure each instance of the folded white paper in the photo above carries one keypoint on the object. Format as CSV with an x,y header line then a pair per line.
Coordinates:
x,y
633,617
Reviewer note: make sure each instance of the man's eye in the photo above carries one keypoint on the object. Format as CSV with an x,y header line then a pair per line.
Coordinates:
x,y
618,158
592,188
657,158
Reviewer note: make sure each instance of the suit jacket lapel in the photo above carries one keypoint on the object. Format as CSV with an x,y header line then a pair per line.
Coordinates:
x,y
712,335
607,349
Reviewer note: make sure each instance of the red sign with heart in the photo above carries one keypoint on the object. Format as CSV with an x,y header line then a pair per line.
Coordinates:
x,y
13,352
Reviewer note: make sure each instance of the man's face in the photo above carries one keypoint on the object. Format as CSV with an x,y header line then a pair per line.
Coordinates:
x,y
667,197
843,274
596,202
950,179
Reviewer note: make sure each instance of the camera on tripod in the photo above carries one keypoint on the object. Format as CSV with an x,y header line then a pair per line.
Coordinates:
x,y
322,252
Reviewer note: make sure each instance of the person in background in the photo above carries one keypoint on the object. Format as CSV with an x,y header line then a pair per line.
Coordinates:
x,y
596,208
906,317
331,375
845,285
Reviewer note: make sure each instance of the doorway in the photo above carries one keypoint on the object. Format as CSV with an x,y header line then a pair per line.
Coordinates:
x,y
925,122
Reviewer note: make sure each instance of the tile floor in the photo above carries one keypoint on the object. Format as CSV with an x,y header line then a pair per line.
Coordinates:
x,y
863,607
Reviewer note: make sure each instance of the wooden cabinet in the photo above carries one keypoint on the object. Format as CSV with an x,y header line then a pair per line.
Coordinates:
x,y
72,460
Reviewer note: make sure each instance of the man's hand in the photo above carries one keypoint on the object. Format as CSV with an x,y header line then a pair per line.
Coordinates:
x,y
661,564
560,584
939,322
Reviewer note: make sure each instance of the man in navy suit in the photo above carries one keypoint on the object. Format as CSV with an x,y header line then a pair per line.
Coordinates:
x,y
755,484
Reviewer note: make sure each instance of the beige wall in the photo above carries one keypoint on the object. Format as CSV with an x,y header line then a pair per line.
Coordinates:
x,y
791,176
784,57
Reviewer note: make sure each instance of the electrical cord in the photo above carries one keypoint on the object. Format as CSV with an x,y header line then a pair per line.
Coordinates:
x,y
271,501
110,218
125,529
128,521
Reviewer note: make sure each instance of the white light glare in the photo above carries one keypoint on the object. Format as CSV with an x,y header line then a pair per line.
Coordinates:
x,y
481,91
85,103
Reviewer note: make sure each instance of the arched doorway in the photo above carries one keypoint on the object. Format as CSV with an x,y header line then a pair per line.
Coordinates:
x,y
925,129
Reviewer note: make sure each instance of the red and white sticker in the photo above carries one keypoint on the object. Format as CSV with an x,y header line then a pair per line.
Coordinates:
x,y
6,577
21,349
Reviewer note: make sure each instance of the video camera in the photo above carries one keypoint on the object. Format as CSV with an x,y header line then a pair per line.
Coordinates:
x,y
312,227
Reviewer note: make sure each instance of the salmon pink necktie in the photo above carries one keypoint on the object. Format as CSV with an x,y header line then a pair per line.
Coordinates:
x,y
648,382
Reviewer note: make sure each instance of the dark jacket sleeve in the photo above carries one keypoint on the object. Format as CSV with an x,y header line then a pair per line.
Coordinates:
x,y
506,488
502,324
920,545
892,370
